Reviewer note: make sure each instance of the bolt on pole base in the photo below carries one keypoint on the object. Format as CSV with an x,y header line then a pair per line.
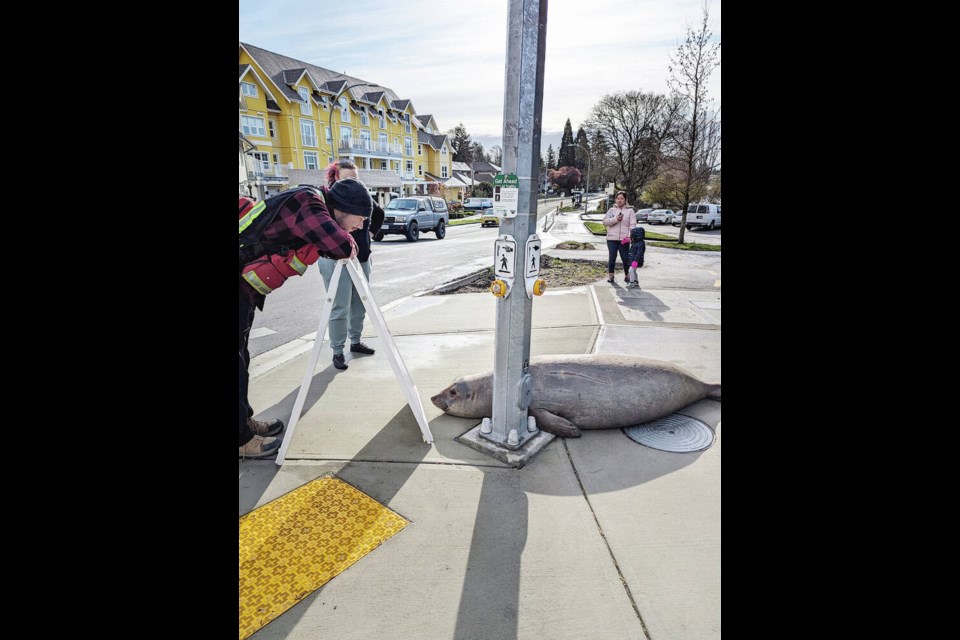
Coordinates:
x,y
513,457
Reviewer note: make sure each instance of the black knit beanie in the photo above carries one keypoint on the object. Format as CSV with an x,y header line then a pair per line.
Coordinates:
x,y
350,196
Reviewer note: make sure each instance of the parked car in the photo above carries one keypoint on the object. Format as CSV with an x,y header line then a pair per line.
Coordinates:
x,y
643,214
703,215
663,216
412,214
478,204
489,218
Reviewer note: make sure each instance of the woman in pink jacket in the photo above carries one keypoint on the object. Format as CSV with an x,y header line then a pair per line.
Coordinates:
x,y
618,221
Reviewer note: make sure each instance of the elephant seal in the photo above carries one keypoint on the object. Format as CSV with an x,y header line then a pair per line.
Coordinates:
x,y
574,392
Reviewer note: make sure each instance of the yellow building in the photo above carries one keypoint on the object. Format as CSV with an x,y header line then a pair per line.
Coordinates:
x,y
293,112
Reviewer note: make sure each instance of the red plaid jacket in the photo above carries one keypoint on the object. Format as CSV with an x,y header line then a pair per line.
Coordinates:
x,y
303,219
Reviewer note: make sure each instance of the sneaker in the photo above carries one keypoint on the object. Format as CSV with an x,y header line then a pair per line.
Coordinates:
x,y
610,280
359,347
634,285
258,447
265,427
338,361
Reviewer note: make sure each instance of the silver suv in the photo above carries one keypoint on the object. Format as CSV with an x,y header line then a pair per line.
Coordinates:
x,y
410,215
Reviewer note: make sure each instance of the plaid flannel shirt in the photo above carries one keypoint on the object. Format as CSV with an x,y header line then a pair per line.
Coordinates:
x,y
304,219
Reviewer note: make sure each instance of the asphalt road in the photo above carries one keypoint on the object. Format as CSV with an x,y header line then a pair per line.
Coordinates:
x,y
400,268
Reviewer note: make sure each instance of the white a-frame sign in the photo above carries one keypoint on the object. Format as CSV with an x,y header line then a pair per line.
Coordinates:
x,y
393,355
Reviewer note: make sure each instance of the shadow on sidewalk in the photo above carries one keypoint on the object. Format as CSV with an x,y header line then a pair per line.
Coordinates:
x,y
491,588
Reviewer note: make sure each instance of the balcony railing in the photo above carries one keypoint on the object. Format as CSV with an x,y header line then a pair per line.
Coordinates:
x,y
350,145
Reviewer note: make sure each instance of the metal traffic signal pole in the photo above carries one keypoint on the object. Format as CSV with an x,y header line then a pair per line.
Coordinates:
x,y
522,108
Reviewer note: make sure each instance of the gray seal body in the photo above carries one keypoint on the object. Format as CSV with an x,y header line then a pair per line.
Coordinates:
x,y
574,392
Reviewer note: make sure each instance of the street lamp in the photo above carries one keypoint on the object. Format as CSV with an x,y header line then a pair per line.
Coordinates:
x,y
334,101
587,186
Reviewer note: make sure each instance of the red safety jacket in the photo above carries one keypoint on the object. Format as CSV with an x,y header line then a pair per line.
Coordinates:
x,y
270,272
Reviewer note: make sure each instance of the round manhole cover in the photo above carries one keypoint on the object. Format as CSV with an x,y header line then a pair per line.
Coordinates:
x,y
676,433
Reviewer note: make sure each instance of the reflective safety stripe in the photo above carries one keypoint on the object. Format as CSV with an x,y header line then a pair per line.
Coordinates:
x,y
297,265
248,219
259,285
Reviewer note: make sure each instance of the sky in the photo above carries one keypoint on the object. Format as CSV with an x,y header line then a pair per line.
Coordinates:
x,y
448,56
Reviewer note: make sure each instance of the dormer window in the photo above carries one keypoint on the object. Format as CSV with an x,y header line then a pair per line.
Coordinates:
x,y
249,89
305,108
344,110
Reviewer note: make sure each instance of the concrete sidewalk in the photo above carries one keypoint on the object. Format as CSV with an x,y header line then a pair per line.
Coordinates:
x,y
595,538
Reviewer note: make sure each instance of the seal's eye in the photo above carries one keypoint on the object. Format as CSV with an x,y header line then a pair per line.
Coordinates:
x,y
453,392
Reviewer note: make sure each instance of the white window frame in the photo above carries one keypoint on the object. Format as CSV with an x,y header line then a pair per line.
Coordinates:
x,y
247,124
316,160
406,123
344,110
349,135
384,164
369,139
443,171
263,158
364,117
420,169
272,128
419,149
244,85
383,119
303,136
443,150
305,108
327,129
384,141
276,159
408,146
409,167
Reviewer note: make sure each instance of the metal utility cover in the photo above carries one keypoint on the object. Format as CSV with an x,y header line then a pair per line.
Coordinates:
x,y
675,433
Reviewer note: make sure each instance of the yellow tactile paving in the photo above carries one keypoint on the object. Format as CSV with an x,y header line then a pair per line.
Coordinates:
x,y
291,546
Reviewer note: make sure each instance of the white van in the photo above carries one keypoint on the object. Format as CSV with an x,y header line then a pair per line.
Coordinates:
x,y
703,215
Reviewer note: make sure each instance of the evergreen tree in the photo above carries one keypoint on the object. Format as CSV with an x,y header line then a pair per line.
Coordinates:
x,y
582,153
460,142
477,152
568,155
551,158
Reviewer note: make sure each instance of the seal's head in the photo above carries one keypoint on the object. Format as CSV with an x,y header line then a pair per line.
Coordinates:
x,y
467,397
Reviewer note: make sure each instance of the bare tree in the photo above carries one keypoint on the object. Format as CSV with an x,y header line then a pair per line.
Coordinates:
x,y
496,155
635,127
695,142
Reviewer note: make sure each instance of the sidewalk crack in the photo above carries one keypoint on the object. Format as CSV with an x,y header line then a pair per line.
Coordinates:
x,y
613,558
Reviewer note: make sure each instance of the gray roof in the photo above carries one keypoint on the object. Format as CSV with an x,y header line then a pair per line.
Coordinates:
x,y
291,76
485,167
243,69
272,105
379,178
435,140
274,64
460,166
315,177
252,147
424,119
399,105
373,96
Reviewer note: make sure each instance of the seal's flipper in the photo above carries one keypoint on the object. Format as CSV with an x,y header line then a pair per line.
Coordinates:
x,y
557,425
714,393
